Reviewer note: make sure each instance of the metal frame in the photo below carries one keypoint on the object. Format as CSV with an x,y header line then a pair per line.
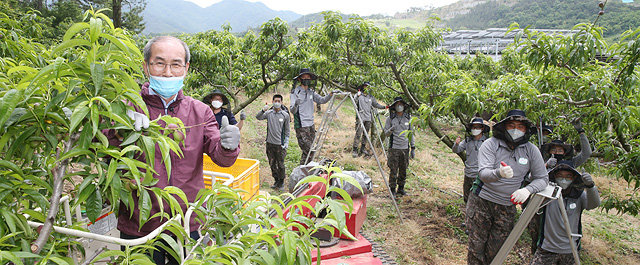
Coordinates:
x,y
551,192
327,117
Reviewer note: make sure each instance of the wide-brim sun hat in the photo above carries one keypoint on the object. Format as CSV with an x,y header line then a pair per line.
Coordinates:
x,y
568,149
306,71
478,120
208,98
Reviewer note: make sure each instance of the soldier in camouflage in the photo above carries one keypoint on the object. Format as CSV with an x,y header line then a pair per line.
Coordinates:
x,y
277,138
401,147
579,193
503,162
302,99
364,104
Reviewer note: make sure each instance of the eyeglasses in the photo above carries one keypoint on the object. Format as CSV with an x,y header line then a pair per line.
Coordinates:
x,y
175,68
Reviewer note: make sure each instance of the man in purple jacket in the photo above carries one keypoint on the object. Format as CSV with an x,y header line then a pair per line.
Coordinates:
x,y
166,62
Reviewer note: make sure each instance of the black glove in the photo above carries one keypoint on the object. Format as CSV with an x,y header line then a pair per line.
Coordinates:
x,y
588,180
412,155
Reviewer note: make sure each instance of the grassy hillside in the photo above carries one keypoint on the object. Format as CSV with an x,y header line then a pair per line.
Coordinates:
x,y
431,232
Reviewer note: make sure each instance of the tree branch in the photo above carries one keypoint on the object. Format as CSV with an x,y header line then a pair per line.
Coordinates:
x,y
58,179
581,103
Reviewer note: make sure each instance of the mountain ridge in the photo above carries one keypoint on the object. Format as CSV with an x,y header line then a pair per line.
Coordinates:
x,y
179,16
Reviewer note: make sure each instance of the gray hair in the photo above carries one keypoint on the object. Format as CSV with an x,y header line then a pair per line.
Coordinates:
x,y
147,48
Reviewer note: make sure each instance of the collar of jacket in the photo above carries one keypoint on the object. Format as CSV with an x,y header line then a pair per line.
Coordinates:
x,y
155,101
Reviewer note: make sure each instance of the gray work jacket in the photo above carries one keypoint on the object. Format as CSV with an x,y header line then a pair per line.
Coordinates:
x,y
472,147
394,127
305,109
365,104
555,238
277,126
525,158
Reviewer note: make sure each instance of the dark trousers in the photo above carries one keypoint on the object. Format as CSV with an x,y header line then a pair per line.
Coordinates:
x,y
489,225
305,137
361,138
160,256
466,187
398,161
276,155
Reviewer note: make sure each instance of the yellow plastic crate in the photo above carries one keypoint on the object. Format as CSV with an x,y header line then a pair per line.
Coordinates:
x,y
243,174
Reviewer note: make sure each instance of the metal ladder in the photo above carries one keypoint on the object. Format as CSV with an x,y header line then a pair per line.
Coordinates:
x,y
327,117
550,193
321,133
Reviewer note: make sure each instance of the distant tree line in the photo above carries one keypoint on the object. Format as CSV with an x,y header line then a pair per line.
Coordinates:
x,y
549,14
58,13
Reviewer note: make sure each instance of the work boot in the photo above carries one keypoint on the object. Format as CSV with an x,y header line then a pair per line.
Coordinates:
x,y
354,153
393,191
401,191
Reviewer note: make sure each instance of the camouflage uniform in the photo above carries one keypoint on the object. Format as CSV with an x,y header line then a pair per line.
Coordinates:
x,y
543,257
492,224
398,162
305,137
276,155
360,133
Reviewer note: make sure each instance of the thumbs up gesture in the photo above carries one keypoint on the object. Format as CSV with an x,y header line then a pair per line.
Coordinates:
x,y
505,170
229,134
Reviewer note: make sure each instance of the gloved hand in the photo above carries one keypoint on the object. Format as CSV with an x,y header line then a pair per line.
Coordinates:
x,y
520,196
552,162
505,170
284,146
229,134
139,120
265,108
577,125
588,180
243,116
412,155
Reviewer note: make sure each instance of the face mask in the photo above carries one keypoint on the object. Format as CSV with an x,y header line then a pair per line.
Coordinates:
x,y
305,82
475,132
359,93
166,86
399,108
563,183
216,104
515,134
277,105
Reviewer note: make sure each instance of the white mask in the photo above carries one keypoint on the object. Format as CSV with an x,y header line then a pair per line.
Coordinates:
x,y
515,134
399,108
563,183
475,132
277,105
216,104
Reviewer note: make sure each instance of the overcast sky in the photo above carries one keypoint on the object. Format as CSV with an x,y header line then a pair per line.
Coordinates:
x,y
361,7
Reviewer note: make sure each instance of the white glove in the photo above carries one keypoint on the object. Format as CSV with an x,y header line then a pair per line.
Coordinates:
x,y
243,116
552,162
505,170
139,120
229,134
520,196
265,108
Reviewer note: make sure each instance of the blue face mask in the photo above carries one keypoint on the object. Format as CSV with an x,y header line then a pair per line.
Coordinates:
x,y
166,86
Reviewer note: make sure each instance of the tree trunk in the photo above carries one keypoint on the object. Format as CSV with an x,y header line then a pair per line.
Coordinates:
x,y
116,6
